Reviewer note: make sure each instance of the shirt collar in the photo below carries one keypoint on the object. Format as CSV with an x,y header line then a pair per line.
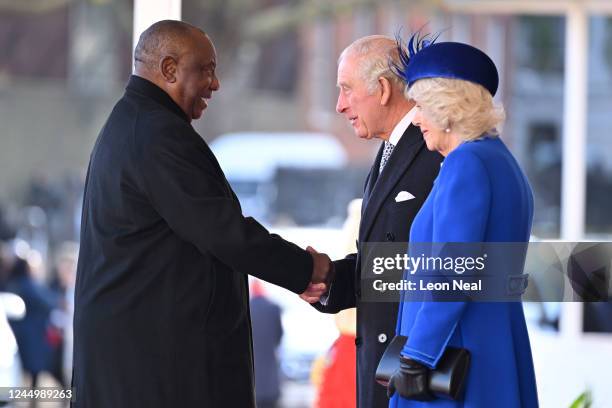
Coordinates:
x,y
149,89
401,127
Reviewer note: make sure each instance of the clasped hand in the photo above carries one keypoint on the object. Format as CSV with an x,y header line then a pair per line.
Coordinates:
x,y
322,275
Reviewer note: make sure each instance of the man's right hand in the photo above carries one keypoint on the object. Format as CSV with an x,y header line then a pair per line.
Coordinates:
x,y
322,276
323,268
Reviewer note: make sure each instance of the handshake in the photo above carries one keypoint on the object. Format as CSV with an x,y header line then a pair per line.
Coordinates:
x,y
322,276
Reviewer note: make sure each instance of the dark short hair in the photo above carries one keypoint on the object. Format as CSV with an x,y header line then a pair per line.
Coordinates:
x,y
166,36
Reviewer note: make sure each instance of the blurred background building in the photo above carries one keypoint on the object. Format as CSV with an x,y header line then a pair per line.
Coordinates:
x,y
65,62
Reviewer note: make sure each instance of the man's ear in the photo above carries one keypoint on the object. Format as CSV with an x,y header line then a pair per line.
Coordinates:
x,y
385,86
167,67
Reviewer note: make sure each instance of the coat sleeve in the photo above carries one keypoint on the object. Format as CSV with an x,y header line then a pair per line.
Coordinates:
x,y
461,208
342,289
186,187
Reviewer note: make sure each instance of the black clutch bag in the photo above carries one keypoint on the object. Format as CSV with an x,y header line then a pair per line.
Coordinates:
x,y
445,381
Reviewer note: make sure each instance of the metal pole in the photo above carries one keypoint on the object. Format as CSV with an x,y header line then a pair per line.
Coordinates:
x,y
573,179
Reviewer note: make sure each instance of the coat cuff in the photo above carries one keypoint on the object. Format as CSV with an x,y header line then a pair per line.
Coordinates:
x,y
430,358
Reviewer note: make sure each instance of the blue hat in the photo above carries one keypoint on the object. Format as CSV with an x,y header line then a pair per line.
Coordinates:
x,y
427,59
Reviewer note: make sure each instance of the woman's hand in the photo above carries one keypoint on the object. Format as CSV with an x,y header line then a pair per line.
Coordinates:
x,y
411,381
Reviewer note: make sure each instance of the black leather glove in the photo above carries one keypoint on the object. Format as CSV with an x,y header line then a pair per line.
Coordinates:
x,y
411,381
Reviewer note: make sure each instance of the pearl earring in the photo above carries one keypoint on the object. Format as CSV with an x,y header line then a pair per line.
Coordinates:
x,y
447,130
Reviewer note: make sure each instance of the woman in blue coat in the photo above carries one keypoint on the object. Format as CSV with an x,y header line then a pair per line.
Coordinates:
x,y
480,195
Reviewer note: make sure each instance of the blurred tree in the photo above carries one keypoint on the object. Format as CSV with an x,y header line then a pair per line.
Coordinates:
x,y
67,39
233,22
40,6
229,22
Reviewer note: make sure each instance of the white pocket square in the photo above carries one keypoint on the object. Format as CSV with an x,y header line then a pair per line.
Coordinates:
x,y
403,196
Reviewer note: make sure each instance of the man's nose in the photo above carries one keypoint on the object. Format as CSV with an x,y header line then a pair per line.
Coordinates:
x,y
216,84
340,104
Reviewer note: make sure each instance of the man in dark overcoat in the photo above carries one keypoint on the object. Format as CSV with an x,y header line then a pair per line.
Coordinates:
x,y
162,305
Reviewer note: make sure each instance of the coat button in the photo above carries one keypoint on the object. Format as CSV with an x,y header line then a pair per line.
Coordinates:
x,y
358,341
390,236
382,337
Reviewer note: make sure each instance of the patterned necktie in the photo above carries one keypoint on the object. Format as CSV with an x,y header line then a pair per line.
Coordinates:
x,y
385,156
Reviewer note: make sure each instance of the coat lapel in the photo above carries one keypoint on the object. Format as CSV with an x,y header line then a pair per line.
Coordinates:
x,y
371,180
380,187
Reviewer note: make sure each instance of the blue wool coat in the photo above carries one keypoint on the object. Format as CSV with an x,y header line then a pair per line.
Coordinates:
x,y
480,195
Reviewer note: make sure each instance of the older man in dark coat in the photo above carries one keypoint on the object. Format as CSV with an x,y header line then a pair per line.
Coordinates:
x,y
371,97
161,306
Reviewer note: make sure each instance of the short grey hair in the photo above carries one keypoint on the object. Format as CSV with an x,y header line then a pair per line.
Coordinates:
x,y
163,37
376,55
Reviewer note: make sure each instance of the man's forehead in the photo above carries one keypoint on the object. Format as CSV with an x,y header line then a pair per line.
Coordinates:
x,y
206,41
346,69
204,48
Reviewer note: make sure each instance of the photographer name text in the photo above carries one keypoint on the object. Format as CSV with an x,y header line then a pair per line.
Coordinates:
x,y
420,285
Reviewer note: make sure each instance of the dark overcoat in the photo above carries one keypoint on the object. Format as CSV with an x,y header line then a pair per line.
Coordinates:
x,y
161,304
411,168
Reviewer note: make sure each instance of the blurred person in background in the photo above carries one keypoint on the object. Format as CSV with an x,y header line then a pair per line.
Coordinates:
x,y
42,193
161,301
64,273
36,336
58,199
372,99
481,195
267,334
5,264
6,234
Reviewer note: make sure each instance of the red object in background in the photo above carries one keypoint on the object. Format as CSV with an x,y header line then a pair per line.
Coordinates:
x,y
257,288
54,336
338,387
